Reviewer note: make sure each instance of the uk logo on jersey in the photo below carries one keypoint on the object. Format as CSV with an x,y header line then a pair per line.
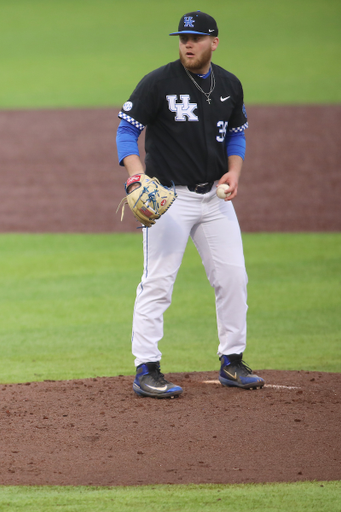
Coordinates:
x,y
183,110
189,21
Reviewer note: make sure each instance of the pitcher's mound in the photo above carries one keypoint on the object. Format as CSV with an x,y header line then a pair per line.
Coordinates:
x,y
98,432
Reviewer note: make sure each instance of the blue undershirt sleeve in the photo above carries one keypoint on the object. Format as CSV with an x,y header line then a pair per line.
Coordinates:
x,y
235,144
126,140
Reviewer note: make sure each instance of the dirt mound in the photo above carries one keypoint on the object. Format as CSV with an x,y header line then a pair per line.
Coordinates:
x,y
98,432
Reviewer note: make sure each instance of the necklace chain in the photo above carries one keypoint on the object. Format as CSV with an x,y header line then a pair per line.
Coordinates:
x,y
212,86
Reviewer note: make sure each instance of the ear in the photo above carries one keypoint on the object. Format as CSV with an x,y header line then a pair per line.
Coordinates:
x,y
214,44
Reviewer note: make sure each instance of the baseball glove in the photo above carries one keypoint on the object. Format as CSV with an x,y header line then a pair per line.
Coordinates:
x,y
149,201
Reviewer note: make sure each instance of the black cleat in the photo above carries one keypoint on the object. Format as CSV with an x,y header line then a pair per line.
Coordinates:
x,y
149,381
234,372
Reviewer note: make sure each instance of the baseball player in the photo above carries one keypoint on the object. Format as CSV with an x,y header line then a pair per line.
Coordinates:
x,y
194,115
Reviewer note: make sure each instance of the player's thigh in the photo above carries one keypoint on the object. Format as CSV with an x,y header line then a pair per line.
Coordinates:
x,y
165,243
218,240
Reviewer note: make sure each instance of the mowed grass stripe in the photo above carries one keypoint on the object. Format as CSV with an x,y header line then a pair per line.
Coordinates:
x,y
67,303
87,54
302,496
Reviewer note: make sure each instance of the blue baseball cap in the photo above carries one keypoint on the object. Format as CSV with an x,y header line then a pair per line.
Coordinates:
x,y
197,22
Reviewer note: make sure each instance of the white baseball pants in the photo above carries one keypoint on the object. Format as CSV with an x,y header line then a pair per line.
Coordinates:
x,y
213,226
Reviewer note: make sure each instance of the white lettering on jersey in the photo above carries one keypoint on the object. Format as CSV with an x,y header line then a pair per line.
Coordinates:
x,y
222,125
182,109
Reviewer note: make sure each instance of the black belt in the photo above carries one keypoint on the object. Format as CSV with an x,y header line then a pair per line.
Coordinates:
x,y
201,188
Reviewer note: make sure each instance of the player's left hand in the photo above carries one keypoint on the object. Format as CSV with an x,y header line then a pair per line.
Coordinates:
x,y
231,178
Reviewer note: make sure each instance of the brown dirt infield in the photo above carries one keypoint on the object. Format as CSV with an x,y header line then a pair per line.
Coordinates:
x,y
59,174
98,432
59,171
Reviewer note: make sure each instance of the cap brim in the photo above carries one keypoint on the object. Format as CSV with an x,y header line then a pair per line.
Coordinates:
x,y
189,32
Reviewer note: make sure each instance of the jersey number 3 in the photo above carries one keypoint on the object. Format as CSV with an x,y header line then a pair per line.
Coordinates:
x,y
222,125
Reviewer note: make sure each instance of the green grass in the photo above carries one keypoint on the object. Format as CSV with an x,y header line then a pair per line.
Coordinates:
x,y
87,53
294,305
66,305
302,496
295,300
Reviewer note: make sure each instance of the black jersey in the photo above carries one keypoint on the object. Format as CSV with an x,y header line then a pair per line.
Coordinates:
x,y
185,134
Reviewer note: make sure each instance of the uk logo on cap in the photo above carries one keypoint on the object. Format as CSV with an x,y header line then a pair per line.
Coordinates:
x,y
189,21
197,22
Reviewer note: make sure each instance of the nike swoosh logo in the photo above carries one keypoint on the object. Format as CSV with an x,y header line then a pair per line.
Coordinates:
x,y
224,99
234,377
211,29
157,389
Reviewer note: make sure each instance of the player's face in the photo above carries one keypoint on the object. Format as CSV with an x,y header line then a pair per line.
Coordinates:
x,y
196,52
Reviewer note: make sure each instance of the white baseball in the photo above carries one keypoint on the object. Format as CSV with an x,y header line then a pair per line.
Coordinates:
x,y
221,191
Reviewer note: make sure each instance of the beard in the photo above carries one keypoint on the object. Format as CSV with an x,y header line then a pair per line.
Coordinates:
x,y
198,63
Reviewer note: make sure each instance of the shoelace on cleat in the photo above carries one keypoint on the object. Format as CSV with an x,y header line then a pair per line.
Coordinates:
x,y
243,366
158,376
